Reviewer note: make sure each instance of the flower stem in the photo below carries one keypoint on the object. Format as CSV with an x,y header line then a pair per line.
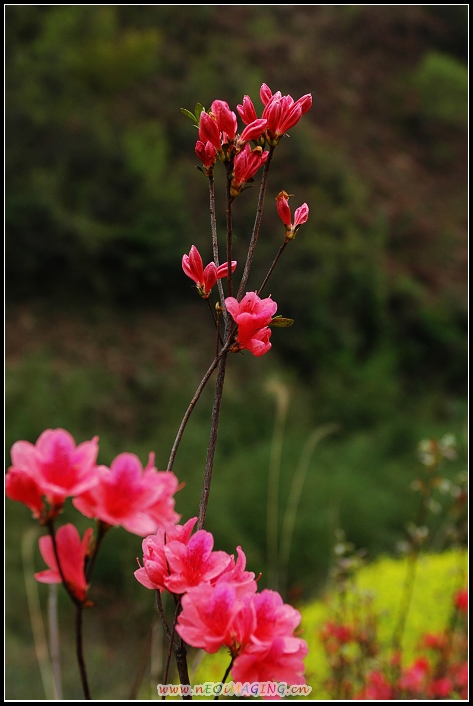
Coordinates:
x,y
213,226
256,227
204,500
225,676
229,238
80,652
265,281
193,402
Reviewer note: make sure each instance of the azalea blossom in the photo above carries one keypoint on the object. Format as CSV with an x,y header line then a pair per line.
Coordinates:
x,y
209,131
252,315
300,216
247,110
56,466
138,500
245,165
226,120
235,574
280,660
207,154
155,567
193,563
72,552
22,487
282,112
204,278
207,616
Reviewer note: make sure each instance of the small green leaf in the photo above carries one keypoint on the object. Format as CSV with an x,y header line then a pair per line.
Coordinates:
x,y
198,110
189,115
281,322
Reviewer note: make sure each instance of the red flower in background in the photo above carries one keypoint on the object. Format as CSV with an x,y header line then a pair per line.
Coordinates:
x,y
57,469
126,495
72,553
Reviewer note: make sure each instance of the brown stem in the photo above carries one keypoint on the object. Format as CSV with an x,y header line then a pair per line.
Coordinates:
x,y
229,239
204,500
193,402
225,676
213,226
280,252
256,227
102,529
80,652
180,653
162,615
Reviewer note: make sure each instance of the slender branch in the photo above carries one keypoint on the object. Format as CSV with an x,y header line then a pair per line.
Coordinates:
x,y
204,500
213,226
162,615
280,252
102,529
193,402
256,227
229,238
80,652
180,653
225,676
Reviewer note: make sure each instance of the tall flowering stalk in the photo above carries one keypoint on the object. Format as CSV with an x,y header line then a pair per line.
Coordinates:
x,y
216,600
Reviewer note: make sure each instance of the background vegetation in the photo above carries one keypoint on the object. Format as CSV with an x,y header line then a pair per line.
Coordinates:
x,y
105,336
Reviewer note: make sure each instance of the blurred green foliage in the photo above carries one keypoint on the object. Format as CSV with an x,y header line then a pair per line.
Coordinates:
x,y
104,333
439,578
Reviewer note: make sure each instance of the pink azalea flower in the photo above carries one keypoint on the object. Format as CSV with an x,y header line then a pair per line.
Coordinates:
x,y
245,165
72,553
281,660
252,315
282,112
209,131
138,500
20,486
300,216
207,616
247,110
235,574
253,131
274,618
204,278
58,467
193,563
207,154
226,119
155,567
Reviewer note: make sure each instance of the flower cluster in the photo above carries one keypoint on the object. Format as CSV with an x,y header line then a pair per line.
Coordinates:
x,y
44,474
221,606
218,133
252,315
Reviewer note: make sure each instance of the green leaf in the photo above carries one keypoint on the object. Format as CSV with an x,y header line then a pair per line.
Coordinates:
x,y
198,110
280,322
190,115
